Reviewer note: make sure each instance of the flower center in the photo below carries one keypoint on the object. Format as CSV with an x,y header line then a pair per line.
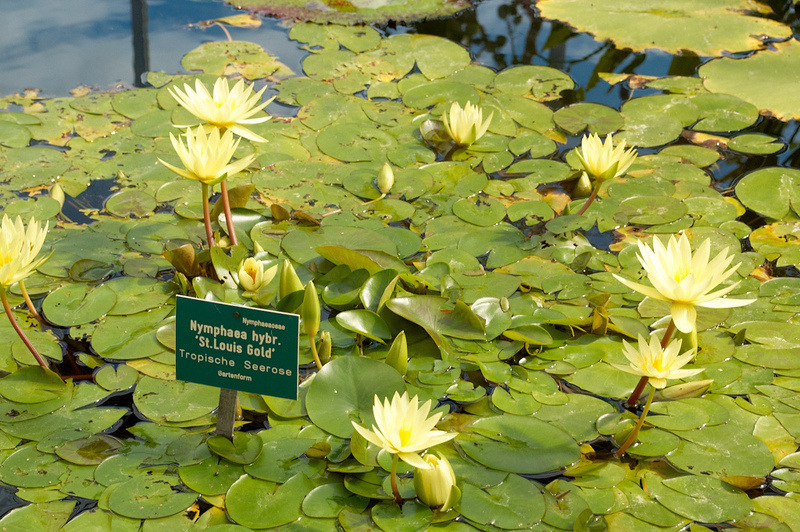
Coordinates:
x,y
405,436
681,273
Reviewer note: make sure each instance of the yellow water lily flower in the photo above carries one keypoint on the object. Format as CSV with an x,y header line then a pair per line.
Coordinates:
x,y
252,276
466,125
402,427
434,486
685,279
601,160
18,249
207,158
656,363
226,108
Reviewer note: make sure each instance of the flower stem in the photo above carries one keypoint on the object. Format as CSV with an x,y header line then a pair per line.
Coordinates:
x,y
640,386
19,330
226,206
28,301
207,216
590,200
314,353
638,427
397,498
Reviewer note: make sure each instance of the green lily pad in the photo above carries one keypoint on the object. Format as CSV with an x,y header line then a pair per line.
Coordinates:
x,y
32,384
257,503
481,211
91,450
41,516
148,497
541,82
366,323
76,304
131,203
411,516
29,468
244,449
594,117
518,444
700,498
771,192
767,83
116,378
514,504
344,390
673,25
329,499
370,12
212,476
174,401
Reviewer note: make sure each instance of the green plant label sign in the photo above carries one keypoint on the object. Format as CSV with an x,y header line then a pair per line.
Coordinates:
x,y
240,348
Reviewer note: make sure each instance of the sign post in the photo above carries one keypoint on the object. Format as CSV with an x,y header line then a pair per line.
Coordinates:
x,y
234,347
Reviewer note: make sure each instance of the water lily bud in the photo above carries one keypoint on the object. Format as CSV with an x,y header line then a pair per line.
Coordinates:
x,y
290,282
398,354
252,276
325,347
435,486
686,390
583,187
385,178
310,311
57,193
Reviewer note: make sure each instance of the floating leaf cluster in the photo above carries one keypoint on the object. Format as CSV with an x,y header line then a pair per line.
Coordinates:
x,y
510,316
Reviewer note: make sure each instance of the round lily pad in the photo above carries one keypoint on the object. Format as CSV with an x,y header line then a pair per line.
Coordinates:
x,y
131,203
703,499
91,450
29,468
675,26
256,503
771,192
514,504
765,79
174,401
212,476
344,390
76,304
597,118
148,497
329,499
481,211
518,444
115,378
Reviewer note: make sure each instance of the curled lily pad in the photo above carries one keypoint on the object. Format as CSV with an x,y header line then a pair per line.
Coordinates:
x,y
32,384
244,449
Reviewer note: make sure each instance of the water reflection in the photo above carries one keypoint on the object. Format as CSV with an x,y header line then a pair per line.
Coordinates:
x,y
141,50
